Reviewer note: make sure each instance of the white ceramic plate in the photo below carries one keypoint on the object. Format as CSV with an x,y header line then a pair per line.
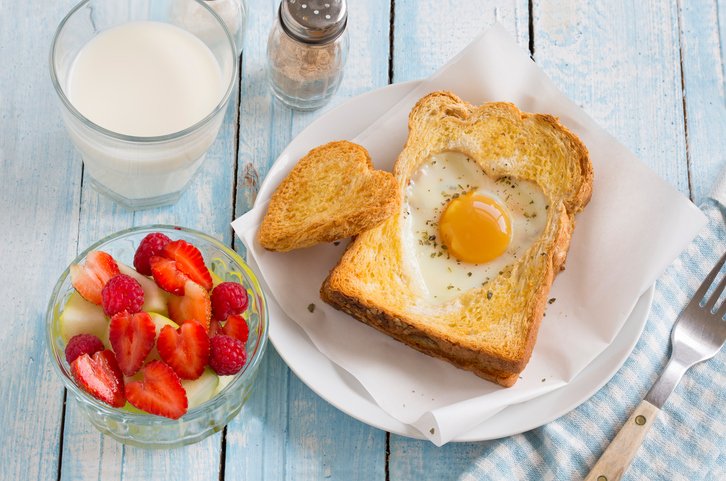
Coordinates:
x,y
342,390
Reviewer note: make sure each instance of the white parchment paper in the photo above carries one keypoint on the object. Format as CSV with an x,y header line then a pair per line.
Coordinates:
x,y
634,226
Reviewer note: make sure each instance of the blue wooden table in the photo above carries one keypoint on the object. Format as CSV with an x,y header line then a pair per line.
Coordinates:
x,y
651,72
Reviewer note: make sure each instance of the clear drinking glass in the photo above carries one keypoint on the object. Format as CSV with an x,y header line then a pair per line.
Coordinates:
x,y
146,430
233,12
140,172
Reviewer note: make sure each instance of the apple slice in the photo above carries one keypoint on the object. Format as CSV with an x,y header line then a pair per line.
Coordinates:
x,y
160,321
82,317
224,382
202,389
154,296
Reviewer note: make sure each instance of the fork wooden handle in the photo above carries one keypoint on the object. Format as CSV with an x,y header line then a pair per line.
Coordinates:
x,y
617,457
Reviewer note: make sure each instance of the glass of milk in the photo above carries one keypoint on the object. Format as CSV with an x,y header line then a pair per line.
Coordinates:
x,y
143,92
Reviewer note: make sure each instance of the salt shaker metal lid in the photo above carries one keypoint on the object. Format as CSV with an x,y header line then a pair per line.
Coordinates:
x,y
314,21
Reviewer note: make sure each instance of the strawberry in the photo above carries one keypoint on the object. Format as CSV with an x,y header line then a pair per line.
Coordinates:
x,y
236,327
158,392
185,350
194,304
189,261
167,275
100,376
90,278
215,327
132,337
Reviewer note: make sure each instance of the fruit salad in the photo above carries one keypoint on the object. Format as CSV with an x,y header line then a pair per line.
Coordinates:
x,y
160,337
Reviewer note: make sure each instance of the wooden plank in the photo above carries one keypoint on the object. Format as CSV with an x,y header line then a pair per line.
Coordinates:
x,y
426,35
39,198
625,73
205,206
286,431
703,82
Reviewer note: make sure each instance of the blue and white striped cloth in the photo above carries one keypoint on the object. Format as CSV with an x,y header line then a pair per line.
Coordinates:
x,y
688,440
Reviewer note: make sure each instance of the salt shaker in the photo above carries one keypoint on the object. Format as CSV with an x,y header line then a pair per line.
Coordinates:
x,y
306,51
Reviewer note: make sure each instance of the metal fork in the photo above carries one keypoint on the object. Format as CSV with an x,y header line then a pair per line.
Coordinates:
x,y
698,334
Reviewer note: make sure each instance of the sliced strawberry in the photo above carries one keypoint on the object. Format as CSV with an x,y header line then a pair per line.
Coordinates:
x,y
100,376
215,327
167,275
90,278
185,350
194,304
236,327
158,392
132,337
190,261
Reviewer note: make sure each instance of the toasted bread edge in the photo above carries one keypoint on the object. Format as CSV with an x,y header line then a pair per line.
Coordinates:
x,y
413,336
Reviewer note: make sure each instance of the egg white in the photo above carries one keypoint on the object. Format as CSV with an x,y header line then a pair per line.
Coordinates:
x,y
436,273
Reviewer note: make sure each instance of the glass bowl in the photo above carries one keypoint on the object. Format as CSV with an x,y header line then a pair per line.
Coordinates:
x,y
146,430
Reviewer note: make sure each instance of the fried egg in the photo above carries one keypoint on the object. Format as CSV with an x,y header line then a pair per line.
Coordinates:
x,y
462,228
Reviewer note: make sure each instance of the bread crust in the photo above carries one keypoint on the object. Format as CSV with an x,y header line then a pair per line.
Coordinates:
x,y
413,336
344,289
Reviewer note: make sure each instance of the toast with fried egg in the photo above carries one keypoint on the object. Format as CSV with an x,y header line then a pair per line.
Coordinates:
x,y
332,193
451,282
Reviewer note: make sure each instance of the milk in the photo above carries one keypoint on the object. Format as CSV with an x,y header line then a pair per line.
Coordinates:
x,y
144,79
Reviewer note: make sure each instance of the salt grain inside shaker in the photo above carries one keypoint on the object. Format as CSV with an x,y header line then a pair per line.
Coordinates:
x,y
306,51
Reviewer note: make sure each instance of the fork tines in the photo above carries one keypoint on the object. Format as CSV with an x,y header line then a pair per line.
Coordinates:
x,y
716,294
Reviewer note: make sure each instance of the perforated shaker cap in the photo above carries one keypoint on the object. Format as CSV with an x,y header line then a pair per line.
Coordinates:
x,y
314,21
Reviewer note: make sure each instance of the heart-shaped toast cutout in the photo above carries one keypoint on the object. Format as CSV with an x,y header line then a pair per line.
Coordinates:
x,y
332,193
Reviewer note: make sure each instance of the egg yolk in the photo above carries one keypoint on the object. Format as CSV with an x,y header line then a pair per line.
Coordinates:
x,y
475,228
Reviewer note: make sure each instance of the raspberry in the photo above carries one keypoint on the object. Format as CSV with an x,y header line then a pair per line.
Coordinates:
x,y
228,298
82,344
122,293
226,355
150,246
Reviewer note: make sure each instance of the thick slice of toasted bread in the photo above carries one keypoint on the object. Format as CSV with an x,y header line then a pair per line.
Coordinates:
x,y
331,193
489,330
